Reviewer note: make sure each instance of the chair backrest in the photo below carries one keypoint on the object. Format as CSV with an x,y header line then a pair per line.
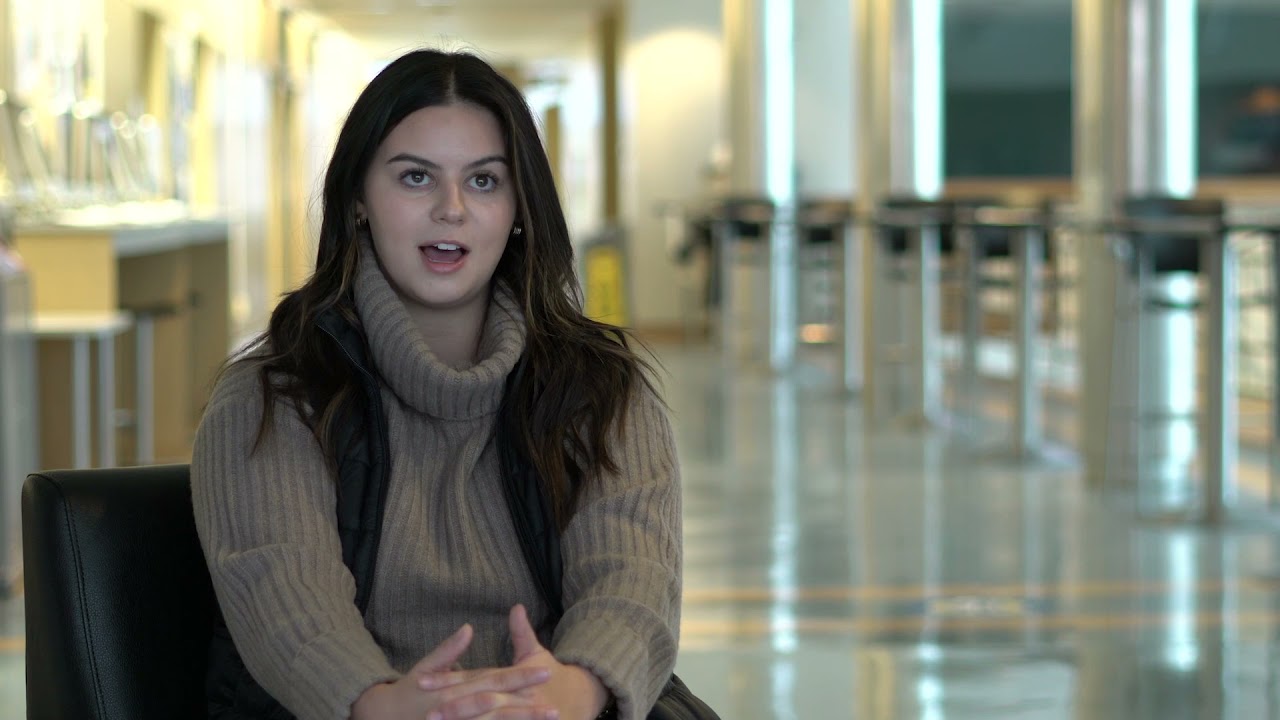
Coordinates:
x,y
119,606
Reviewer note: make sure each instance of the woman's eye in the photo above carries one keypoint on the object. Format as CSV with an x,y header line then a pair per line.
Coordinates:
x,y
415,178
484,182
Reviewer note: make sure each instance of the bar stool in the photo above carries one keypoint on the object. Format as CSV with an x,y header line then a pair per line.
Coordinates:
x,y
1023,235
1166,246
831,304
82,329
741,227
911,234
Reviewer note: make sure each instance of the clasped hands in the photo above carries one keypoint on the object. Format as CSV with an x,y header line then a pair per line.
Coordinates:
x,y
535,687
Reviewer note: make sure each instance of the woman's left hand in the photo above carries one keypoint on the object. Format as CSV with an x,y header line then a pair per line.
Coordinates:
x,y
575,691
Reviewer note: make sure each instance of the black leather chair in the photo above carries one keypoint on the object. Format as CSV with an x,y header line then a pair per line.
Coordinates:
x,y
119,606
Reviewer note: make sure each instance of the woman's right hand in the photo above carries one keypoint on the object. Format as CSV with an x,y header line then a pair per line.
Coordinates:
x,y
493,694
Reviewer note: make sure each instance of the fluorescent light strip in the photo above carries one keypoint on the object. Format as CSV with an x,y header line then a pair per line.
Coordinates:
x,y
1180,81
779,97
926,105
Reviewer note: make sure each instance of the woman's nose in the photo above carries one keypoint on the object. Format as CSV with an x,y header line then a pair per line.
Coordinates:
x,y
449,207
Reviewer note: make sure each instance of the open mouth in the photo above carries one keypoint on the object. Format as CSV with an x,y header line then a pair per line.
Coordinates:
x,y
444,253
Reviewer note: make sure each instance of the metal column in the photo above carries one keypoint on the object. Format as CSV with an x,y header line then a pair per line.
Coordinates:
x,y
1136,84
1029,252
851,320
1219,436
925,363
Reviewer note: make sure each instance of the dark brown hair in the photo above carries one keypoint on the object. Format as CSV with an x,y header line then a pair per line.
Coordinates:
x,y
577,375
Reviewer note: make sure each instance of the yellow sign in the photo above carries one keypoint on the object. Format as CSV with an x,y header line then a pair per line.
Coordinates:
x,y
606,285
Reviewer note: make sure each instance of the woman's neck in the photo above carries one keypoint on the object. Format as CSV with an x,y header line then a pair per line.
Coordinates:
x,y
453,335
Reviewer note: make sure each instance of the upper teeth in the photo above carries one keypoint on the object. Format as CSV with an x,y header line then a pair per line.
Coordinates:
x,y
446,246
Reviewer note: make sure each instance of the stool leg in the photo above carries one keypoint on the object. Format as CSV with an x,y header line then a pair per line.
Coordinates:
x,y
106,401
1219,431
970,400
1028,435
145,418
81,445
926,328
850,312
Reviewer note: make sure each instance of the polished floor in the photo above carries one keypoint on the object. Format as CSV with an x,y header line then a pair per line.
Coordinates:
x,y
841,569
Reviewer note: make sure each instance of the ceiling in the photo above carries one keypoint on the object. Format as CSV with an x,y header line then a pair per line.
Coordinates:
x,y
509,30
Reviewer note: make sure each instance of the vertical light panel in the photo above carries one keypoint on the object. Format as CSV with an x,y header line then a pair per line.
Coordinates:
x,y
779,100
926,96
1179,81
1161,122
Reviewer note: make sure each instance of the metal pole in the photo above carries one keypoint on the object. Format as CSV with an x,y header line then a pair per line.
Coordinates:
x,y
81,443
1218,438
724,241
925,356
1028,406
783,298
106,400
144,425
850,308
969,382
1139,397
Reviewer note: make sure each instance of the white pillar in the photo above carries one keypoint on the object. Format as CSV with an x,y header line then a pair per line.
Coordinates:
x,y
900,73
898,85
1135,108
760,43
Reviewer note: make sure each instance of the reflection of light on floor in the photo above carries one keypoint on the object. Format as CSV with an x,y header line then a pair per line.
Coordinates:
x,y
784,686
1259,619
929,695
1100,588
1181,649
816,333
786,458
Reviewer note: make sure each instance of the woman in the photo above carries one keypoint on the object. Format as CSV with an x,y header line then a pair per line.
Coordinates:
x,y
445,283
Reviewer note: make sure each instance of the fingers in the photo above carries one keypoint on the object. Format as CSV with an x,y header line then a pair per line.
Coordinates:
x,y
509,679
492,706
446,654
523,639
501,679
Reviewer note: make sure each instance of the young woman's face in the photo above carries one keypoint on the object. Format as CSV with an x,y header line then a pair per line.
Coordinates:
x,y
440,201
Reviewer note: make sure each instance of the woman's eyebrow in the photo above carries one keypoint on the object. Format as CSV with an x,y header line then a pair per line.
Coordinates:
x,y
411,158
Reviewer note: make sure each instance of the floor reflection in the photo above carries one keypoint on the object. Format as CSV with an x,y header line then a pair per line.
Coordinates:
x,y
839,570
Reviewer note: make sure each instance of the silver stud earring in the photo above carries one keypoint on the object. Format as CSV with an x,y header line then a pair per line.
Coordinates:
x,y
517,230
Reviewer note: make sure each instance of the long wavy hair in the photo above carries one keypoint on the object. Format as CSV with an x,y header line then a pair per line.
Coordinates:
x,y
576,375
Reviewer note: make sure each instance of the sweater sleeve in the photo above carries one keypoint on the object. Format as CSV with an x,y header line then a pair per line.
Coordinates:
x,y
622,566
266,520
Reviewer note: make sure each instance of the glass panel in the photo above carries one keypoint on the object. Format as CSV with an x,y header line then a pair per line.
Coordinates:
x,y
1008,88
1239,60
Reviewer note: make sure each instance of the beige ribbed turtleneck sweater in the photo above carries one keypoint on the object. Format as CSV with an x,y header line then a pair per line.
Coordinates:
x,y
449,554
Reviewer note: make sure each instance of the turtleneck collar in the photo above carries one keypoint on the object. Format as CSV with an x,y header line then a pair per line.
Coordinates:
x,y
409,367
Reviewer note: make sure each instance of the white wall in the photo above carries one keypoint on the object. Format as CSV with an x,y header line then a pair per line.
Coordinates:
x,y
824,98
673,99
